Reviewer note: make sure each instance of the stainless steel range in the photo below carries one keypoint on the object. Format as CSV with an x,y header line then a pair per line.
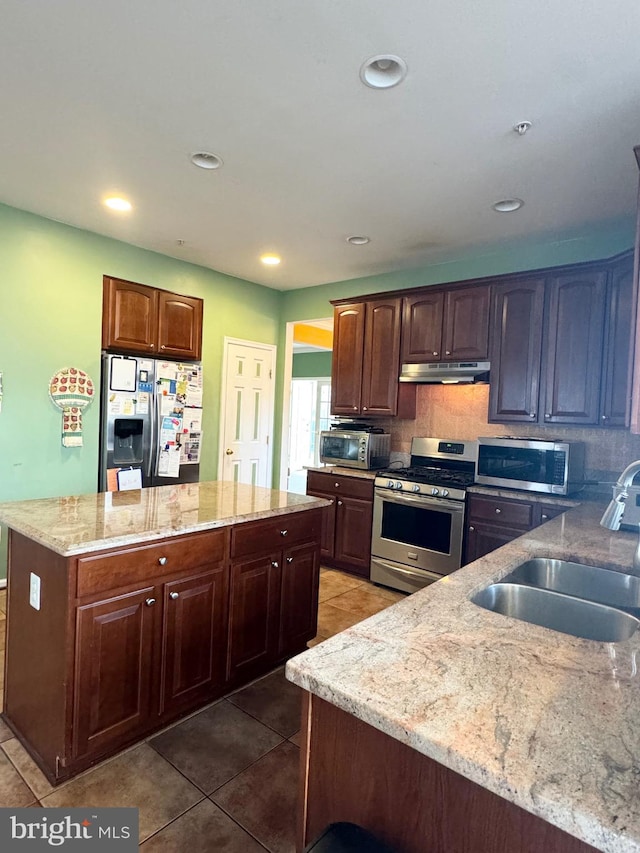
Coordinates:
x,y
418,514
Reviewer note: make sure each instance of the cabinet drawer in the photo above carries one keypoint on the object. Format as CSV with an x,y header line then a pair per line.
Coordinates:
x,y
350,487
268,536
140,564
506,513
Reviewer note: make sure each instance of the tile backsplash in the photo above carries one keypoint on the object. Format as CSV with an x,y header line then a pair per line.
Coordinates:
x,y
460,411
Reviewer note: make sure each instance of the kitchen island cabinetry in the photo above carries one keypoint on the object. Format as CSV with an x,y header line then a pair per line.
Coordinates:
x,y
346,531
115,630
366,361
493,521
137,318
446,325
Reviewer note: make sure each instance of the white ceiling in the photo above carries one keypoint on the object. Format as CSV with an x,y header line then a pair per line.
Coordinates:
x,y
100,97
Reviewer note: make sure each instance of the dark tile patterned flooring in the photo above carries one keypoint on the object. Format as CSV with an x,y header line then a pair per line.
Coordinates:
x,y
226,778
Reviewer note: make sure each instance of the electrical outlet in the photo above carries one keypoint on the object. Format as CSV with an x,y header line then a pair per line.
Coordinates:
x,y
34,591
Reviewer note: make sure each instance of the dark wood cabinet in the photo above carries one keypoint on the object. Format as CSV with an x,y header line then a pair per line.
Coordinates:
x,y
273,607
492,522
346,532
141,319
573,347
516,351
446,325
366,361
616,392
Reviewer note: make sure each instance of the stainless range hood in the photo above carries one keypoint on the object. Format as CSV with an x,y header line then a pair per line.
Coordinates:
x,y
446,372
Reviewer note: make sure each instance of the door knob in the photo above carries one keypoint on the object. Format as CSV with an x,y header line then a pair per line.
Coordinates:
x,y
229,452
150,602
174,595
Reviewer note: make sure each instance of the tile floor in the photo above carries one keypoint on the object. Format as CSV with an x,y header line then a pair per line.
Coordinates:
x,y
224,779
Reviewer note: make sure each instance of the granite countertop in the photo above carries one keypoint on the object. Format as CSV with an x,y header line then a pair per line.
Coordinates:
x,y
95,522
344,471
546,720
533,497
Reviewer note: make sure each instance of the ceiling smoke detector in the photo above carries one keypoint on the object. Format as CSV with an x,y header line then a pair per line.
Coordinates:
x,y
383,72
358,241
206,160
508,205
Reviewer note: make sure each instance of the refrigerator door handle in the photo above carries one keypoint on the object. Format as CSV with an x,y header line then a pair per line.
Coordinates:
x,y
153,437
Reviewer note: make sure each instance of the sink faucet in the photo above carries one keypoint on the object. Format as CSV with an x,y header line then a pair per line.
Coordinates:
x,y
612,515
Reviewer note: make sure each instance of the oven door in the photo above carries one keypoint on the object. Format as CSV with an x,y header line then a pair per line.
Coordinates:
x,y
420,533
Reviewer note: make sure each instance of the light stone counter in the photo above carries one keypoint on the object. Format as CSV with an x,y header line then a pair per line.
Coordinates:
x,y
75,525
344,471
545,720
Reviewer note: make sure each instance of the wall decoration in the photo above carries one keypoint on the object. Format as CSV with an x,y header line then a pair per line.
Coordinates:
x,y
71,390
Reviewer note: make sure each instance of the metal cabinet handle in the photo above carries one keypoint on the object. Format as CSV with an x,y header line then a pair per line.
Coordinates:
x,y
604,417
162,561
434,353
532,414
337,485
547,415
544,516
365,408
174,595
274,563
448,352
289,559
339,503
162,346
498,510
283,532
472,529
355,408
150,602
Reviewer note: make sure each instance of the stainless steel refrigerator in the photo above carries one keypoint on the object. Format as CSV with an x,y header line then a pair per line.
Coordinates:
x,y
150,422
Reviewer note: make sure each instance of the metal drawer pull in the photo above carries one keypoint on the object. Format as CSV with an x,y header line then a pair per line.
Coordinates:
x,y
544,516
339,503
283,532
174,595
498,510
289,559
162,561
472,529
274,563
337,485
150,601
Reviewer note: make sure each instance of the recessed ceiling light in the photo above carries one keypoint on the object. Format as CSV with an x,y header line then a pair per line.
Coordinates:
x,y
118,203
358,241
383,72
508,205
206,160
270,260
522,127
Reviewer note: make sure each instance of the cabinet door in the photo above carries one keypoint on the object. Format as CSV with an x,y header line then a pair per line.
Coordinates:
x,y
353,534
381,364
328,523
194,641
466,324
516,351
422,318
299,598
346,364
253,615
113,670
481,539
616,393
573,347
548,511
129,316
179,325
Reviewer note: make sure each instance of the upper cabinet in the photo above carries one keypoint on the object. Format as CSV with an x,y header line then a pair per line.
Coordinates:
x,y
141,319
560,347
366,361
446,325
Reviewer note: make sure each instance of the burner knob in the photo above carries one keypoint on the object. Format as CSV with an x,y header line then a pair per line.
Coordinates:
x,y
435,491
416,488
389,484
445,493
398,485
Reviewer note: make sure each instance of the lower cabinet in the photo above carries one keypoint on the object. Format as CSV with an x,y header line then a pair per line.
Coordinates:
x,y
128,640
346,531
492,522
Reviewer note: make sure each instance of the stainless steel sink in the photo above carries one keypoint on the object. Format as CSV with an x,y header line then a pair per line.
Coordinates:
x,y
588,582
557,611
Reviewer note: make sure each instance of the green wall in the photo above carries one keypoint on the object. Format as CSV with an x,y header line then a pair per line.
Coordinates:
x,y
309,365
50,318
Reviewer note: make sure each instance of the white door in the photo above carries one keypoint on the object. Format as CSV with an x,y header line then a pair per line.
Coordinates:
x,y
247,412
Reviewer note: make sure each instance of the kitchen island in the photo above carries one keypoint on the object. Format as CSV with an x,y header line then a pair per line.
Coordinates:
x,y
442,726
127,610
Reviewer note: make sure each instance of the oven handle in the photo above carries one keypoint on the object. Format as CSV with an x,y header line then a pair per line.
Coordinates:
x,y
441,503
419,574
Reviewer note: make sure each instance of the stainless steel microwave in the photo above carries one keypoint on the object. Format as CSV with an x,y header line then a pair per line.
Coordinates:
x,y
355,449
532,464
